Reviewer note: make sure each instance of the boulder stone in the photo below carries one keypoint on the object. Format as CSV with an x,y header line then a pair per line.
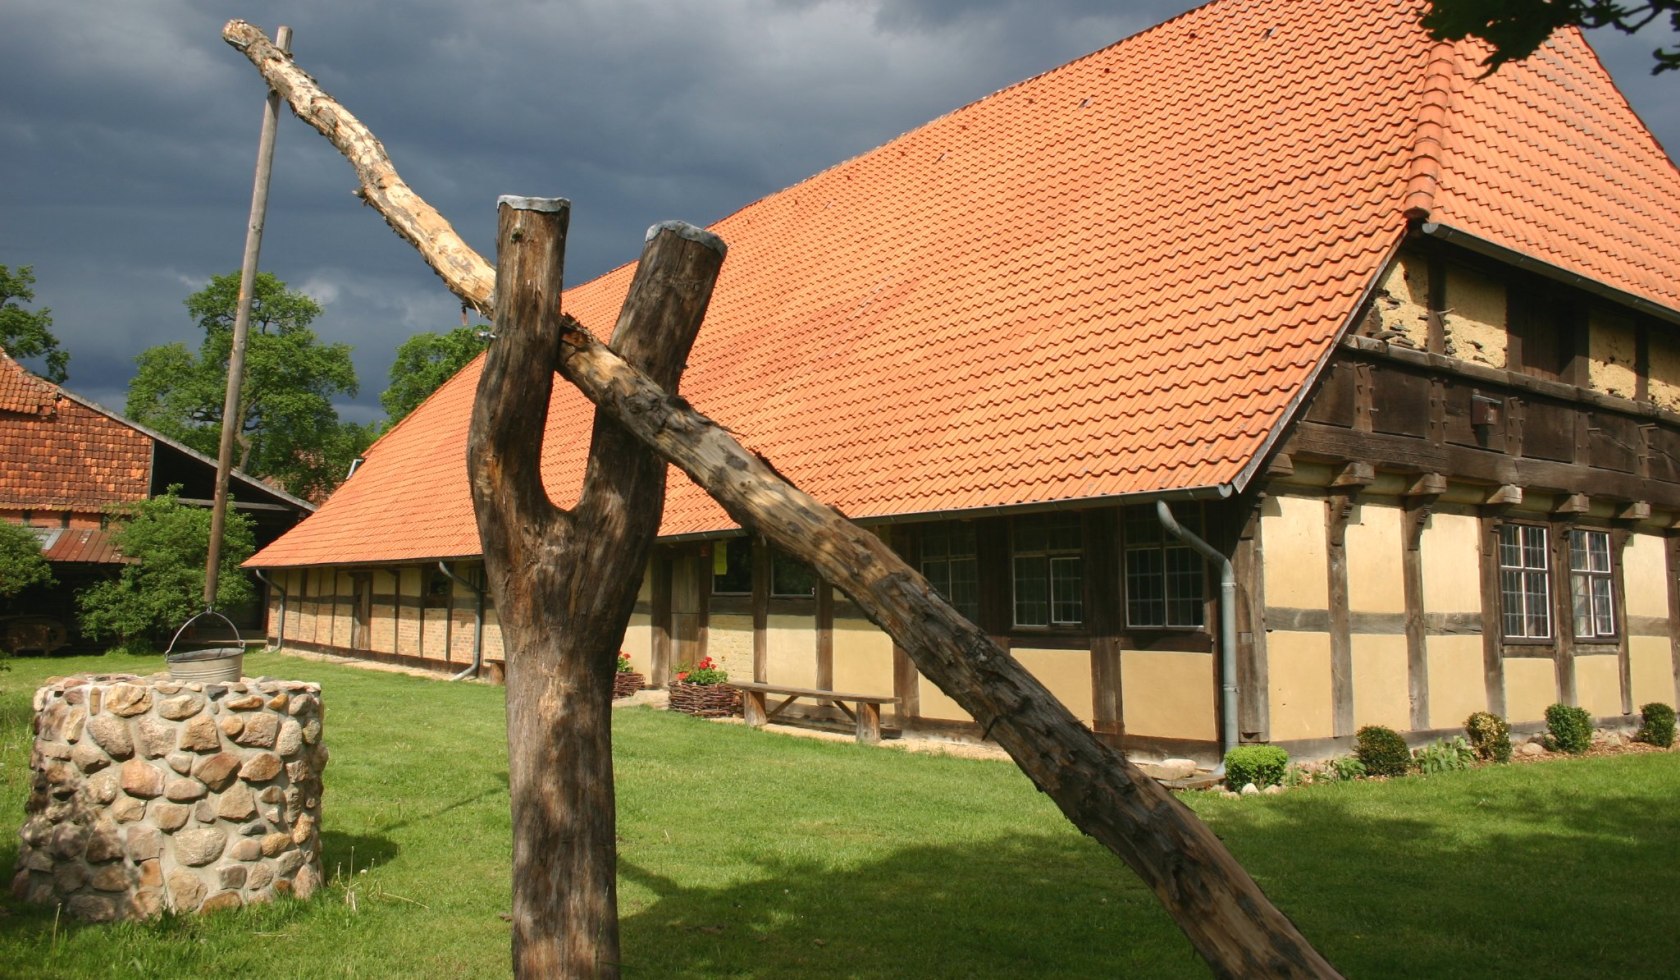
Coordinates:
x,y
185,789
274,845
201,735
181,762
181,707
186,892
232,726
157,737
104,843
200,845
142,780
89,757
144,843
92,908
260,877
232,875
248,702
111,732
170,817
305,882
103,787
260,731
260,768
128,700
236,803
290,739
127,809
245,849
111,878
218,771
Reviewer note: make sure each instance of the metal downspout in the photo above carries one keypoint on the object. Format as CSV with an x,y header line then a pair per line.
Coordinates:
x,y
279,634
1227,629
478,623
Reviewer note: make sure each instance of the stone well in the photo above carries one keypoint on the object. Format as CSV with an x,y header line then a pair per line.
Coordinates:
x,y
149,793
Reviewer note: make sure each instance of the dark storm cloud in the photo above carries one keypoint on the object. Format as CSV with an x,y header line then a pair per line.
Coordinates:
x,y
128,131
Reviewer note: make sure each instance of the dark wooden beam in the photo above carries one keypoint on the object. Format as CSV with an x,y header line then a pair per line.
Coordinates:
x,y
1493,664
1339,507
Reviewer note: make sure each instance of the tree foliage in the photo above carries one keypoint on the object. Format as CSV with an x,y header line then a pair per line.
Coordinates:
x,y
21,564
27,334
289,430
167,543
1516,28
424,362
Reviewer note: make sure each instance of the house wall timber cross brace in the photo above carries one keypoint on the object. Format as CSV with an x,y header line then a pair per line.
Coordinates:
x,y
564,887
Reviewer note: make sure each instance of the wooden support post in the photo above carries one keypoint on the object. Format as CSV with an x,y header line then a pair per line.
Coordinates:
x,y
1253,677
1339,508
1493,629
761,609
825,635
1563,614
1624,663
1416,518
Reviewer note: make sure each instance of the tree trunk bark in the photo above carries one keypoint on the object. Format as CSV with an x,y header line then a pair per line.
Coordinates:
x,y
564,583
1215,902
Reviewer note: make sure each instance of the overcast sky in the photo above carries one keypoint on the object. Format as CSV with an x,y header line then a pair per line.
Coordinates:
x,y
128,135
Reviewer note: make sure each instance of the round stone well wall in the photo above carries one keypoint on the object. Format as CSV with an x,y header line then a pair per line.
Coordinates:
x,y
149,793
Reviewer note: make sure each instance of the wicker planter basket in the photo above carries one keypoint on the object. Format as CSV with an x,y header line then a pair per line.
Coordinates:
x,y
705,700
626,684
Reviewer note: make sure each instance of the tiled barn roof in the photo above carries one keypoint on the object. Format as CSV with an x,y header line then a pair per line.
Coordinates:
x,y
1117,278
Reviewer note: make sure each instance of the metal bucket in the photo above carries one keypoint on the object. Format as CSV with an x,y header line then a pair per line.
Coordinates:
x,y
217,665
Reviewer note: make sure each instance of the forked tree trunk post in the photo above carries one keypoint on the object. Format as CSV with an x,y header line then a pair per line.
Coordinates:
x,y
564,582
1215,902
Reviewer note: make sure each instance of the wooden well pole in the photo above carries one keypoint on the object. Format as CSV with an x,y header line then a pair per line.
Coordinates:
x,y
231,416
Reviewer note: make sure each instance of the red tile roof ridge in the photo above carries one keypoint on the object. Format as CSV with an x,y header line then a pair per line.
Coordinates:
x,y
1424,172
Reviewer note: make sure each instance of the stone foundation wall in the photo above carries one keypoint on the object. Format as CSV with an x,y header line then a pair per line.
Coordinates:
x,y
149,793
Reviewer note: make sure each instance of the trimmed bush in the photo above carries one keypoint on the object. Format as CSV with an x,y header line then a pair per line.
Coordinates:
x,y
1656,725
1569,729
1262,765
1489,735
1382,751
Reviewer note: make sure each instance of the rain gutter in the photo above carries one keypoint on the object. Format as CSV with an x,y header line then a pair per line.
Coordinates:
x,y
1227,629
280,634
478,624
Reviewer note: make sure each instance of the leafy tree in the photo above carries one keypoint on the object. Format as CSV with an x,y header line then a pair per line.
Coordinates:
x,y
424,362
28,333
289,431
167,543
1516,28
21,564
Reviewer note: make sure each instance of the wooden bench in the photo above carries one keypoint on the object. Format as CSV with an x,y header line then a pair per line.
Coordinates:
x,y
867,717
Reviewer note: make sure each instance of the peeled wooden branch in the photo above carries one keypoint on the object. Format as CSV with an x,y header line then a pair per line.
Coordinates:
x,y
1212,898
408,214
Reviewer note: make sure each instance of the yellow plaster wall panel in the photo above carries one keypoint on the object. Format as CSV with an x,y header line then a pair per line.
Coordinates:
x,y
935,706
1651,669
791,647
1475,317
1067,674
1645,573
1169,695
638,643
1598,685
729,642
1292,533
1611,351
1376,582
1530,688
1403,298
1450,552
863,661
1381,682
1299,669
1457,687
1665,370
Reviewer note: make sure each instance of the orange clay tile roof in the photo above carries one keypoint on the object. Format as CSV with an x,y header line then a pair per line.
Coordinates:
x,y
57,453
1117,278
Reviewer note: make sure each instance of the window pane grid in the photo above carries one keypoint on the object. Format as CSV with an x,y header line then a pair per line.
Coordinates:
x,y
1048,570
1591,588
950,565
1524,582
1166,582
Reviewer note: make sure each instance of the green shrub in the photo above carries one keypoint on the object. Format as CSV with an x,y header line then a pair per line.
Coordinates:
x,y
1382,751
1446,755
1489,736
1262,765
1344,768
1569,729
1656,725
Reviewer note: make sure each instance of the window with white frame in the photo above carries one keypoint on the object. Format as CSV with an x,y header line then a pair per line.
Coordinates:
x,y
950,565
1166,582
1525,594
1047,569
1592,585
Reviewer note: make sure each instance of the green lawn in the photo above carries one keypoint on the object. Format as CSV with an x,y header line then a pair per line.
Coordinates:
x,y
747,854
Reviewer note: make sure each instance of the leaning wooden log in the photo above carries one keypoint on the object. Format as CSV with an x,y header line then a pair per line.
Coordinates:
x,y
565,582
1213,899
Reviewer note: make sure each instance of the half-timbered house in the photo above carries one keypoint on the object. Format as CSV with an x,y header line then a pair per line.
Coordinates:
x,y
1399,343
